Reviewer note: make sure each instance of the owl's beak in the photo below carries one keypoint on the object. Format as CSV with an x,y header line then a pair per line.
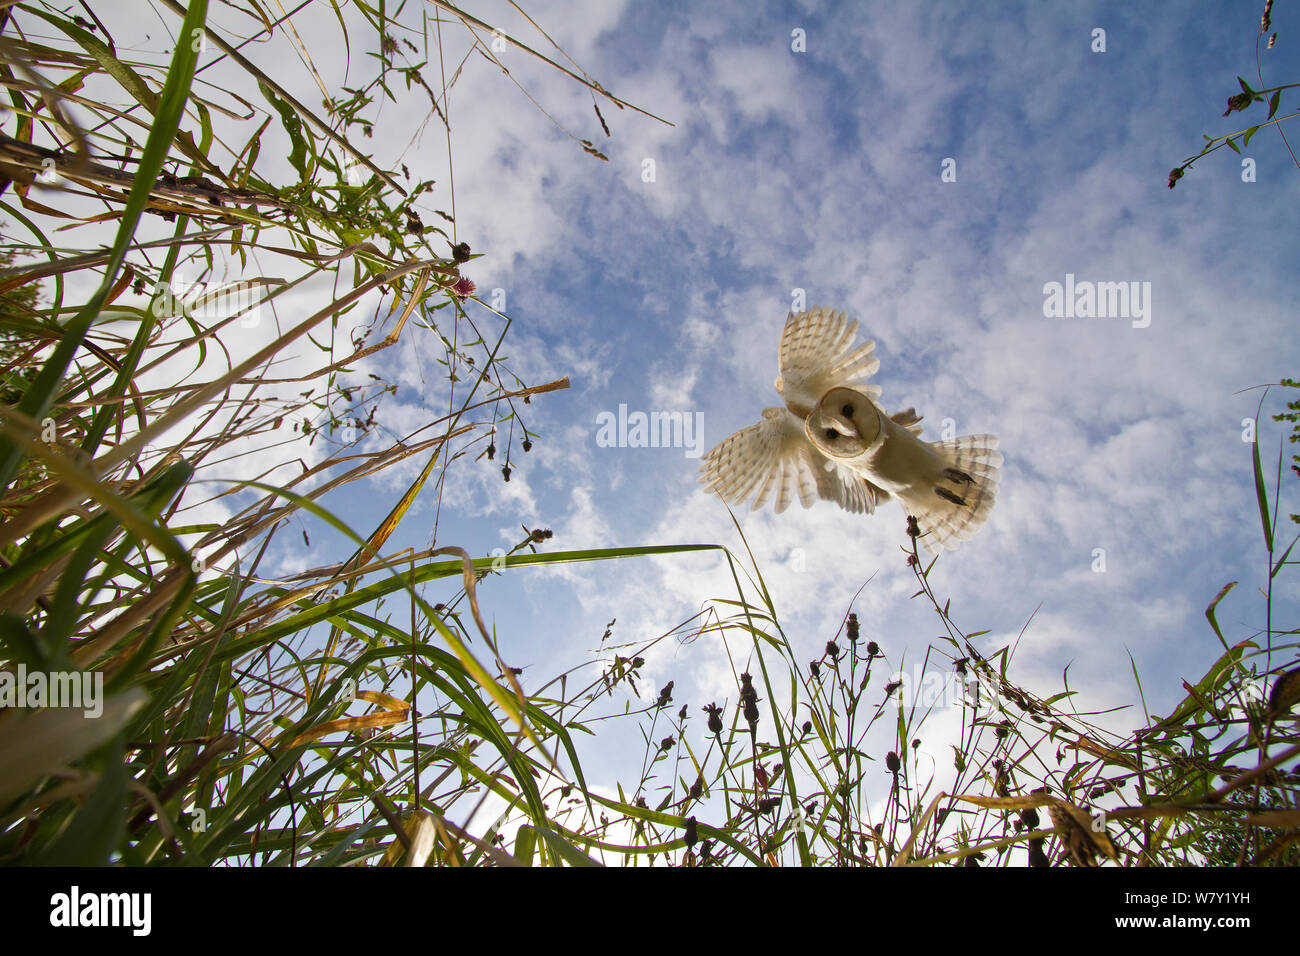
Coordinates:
x,y
846,427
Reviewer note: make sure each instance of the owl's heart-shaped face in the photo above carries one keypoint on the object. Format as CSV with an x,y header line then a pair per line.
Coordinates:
x,y
844,424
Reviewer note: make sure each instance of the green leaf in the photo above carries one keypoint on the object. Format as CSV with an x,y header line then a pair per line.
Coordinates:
x,y
1245,138
1229,142
1215,676
525,841
205,125
1272,103
565,850
1261,493
96,829
1209,611
292,124
1245,87
21,645
1285,554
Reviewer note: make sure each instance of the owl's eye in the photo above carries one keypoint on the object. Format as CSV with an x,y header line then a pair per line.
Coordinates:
x,y
832,434
847,411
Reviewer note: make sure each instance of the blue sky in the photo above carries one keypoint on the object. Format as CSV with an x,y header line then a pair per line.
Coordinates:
x,y
820,171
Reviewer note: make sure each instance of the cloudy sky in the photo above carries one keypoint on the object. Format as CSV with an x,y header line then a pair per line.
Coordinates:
x,y
806,163
930,169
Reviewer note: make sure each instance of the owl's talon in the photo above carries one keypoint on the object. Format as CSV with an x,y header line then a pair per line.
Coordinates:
x,y
947,495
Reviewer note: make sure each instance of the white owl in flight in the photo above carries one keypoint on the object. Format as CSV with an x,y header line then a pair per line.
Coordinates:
x,y
833,440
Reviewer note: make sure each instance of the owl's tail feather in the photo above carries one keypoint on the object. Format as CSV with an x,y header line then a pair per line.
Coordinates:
x,y
963,498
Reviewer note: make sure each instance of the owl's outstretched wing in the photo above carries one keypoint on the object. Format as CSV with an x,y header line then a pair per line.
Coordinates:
x,y
772,460
817,354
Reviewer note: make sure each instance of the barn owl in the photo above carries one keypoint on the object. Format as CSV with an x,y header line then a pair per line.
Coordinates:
x,y
832,440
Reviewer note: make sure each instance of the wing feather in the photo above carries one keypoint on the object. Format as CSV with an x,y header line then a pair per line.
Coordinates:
x,y
945,523
772,460
817,354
